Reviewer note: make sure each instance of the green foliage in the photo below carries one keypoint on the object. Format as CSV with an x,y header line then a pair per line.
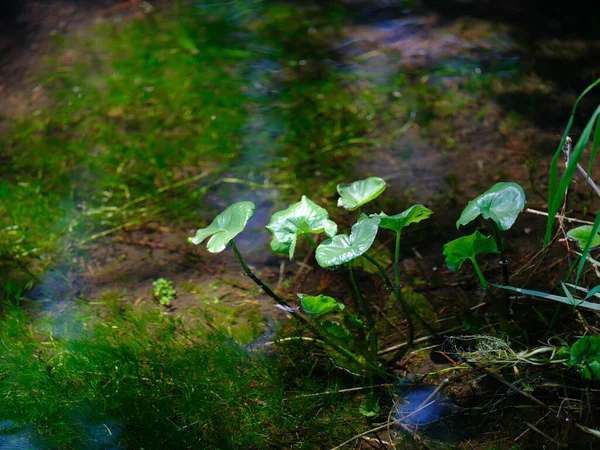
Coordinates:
x,y
582,235
144,380
342,248
467,247
163,291
351,339
354,195
225,226
585,354
319,305
300,218
414,214
502,203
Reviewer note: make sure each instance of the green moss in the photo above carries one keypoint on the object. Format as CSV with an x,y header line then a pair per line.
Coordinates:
x,y
144,380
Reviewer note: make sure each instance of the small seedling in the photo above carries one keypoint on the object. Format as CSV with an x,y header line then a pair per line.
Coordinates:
x,y
163,291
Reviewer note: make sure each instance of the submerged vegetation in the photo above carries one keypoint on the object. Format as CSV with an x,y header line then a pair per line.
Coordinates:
x,y
116,333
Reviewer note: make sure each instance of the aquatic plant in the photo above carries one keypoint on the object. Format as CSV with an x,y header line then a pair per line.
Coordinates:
x,y
163,291
349,334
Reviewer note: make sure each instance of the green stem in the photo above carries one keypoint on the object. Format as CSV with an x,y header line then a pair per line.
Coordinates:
x,y
366,312
313,243
504,260
316,330
382,272
263,286
397,265
484,284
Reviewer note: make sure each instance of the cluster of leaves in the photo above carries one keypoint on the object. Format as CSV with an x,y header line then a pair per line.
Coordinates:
x,y
163,291
501,204
351,336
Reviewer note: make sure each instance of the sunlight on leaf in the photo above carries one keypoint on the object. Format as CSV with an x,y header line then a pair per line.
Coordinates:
x,y
342,248
502,203
300,218
356,194
414,214
582,236
225,227
467,247
319,304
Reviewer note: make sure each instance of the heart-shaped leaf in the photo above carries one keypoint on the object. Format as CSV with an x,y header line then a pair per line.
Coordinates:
x,y
319,304
585,353
225,227
467,247
360,192
396,223
502,203
300,218
582,235
343,248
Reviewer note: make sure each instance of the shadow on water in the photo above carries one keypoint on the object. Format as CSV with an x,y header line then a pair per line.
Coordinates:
x,y
560,44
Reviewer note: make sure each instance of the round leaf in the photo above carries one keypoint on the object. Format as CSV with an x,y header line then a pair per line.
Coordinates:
x,y
467,247
396,223
319,305
360,192
582,235
302,217
502,203
225,227
343,248
586,354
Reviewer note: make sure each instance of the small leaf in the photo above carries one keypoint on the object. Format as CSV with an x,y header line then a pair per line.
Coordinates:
x,y
593,292
461,249
336,330
360,192
343,248
225,227
319,305
300,218
502,203
582,236
414,214
585,353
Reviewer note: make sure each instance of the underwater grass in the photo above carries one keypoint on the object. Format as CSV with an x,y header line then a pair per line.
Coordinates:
x,y
143,380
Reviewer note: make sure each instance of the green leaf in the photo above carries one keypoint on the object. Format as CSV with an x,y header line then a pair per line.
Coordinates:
x,y
414,214
502,203
336,330
467,247
225,227
319,305
585,353
360,192
343,248
300,218
582,235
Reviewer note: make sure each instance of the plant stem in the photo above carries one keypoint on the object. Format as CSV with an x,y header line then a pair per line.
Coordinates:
x,y
504,260
317,331
382,272
264,287
484,284
366,312
311,240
